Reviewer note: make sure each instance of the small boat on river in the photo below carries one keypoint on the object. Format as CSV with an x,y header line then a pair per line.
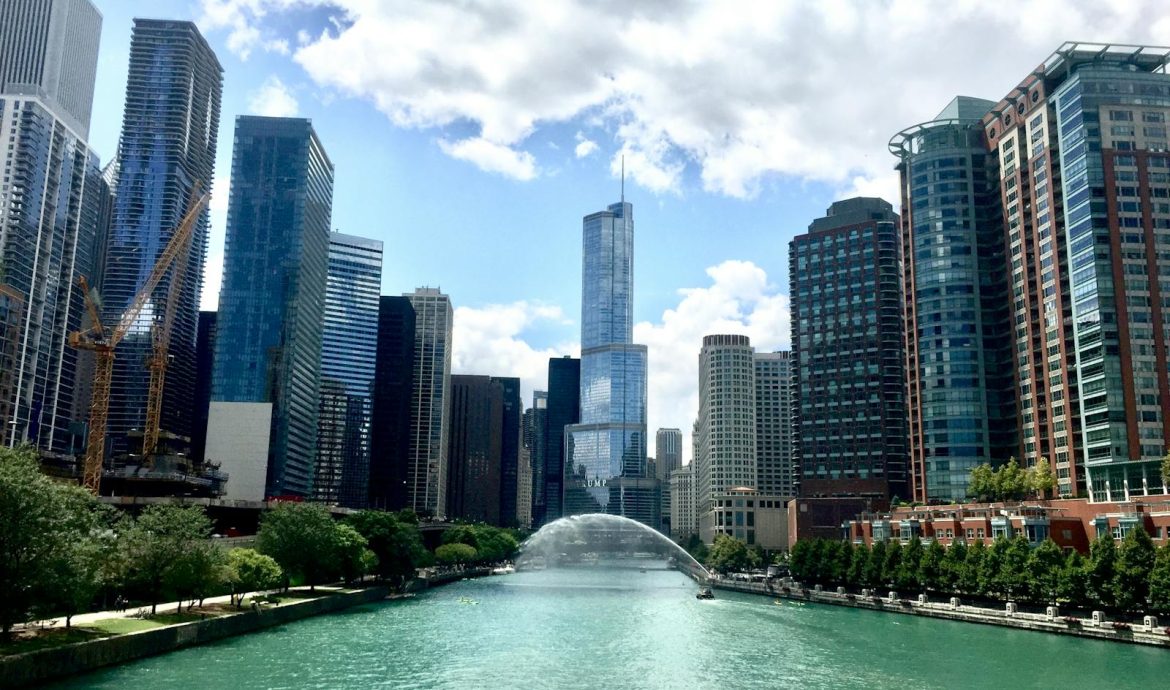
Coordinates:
x,y
704,593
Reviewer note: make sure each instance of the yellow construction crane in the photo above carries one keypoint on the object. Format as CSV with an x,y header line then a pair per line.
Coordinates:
x,y
103,343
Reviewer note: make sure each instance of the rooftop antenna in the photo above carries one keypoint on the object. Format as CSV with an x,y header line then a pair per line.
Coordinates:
x,y
623,178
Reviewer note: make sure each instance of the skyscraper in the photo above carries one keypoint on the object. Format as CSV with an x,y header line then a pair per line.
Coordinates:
x,y
50,200
204,368
775,397
846,288
962,409
475,448
682,503
49,51
564,409
393,395
727,423
606,450
426,468
169,128
536,440
511,442
667,452
272,303
349,346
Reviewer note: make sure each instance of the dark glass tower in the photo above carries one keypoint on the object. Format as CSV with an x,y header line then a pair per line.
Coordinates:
x,y
564,408
848,352
510,442
169,129
393,381
962,409
204,367
272,304
475,449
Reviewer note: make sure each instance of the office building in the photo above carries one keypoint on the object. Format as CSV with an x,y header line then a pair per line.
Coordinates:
x,y
524,473
564,409
727,424
272,302
775,397
511,442
204,369
392,396
50,199
349,346
961,401
605,464
683,523
475,449
667,452
536,440
168,142
848,352
426,468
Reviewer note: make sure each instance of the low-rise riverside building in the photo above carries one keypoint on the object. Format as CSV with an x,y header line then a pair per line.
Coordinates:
x,y
1071,523
744,513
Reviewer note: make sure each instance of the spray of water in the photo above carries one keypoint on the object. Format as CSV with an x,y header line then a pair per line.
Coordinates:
x,y
598,533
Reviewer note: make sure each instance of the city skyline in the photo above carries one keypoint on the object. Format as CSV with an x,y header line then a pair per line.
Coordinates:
x,y
395,176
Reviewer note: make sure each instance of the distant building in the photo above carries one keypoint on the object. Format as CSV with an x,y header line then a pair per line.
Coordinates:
x,y
426,468
475,449
536,440
512,438
349,346
204,369
746,514
775,399
272,302
393,393
667,452
682,503
962,411
524,473
564,408
848,353
169,132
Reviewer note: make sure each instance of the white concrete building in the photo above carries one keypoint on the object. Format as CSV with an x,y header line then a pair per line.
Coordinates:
x,y
682,503
774,403
238,434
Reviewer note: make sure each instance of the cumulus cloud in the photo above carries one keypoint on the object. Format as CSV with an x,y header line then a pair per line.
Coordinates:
x,y
492,157
739,300
584,146
273,99
489,340
735,90
243,19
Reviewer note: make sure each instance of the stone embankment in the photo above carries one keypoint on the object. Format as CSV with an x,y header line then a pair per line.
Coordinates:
x,y
1148,632
429,577
40,666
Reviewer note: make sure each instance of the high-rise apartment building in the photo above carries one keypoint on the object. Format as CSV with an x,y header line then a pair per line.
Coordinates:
x,y
50,200
606,451
775,398
525,470
727,423
845,281
682,503
349,346
49,52
392,397
961,401
169,129
1083,161
272,303
475,448
564,409
426,467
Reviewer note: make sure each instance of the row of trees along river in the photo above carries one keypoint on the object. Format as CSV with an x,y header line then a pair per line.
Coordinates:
x,y
62,552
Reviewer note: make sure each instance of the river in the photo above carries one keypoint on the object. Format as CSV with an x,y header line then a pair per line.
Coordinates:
x,y
622,628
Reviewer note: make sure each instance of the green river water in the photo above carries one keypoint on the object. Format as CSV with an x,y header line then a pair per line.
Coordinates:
x,y
621,628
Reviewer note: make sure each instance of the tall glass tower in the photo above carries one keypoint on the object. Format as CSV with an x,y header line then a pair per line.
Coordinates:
x,y
169,129
272,304
605,455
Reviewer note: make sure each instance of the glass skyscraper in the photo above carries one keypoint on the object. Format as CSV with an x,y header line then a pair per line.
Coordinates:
x,y
272,303
349,346
564,409
605,462
169,129
430,408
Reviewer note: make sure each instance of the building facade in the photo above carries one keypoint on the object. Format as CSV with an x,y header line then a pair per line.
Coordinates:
x,y
512,441
426,467
748,515
475,449
349,346
845,281
682,503
392,397
775,397
564,409
272,302
667,452
169,129
961,401
536,441
204,369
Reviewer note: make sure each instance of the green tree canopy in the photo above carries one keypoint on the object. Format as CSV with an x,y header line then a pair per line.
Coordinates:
x,y
1103,570
395,540
1040,478
1135,565
456,554
251,571
930,567
304,540
1045,570
728,554
1160,580
165,550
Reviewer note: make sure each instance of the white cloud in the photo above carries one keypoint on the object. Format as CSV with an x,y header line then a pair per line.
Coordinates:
x,y
492,157
489,340
584,146
737,90
243,20
739,300
273,99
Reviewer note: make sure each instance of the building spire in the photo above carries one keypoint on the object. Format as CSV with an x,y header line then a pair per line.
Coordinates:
x,y
623,178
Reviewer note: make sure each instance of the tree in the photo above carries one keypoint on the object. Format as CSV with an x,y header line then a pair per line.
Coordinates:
x,y
78,569
892,562
907,575
873,568
165,549
455,554
954,562
855,577
304,540
930,567
1012,579
1160,581
1011,482
1040,478
1045,570
800,564
981,486
199,572
1166,470
1074,581
353,558
971,578
395,540
990,582
728,554
1135,564
1103,570
251,571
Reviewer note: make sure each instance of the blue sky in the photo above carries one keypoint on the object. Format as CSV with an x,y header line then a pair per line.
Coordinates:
x,y
472,140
